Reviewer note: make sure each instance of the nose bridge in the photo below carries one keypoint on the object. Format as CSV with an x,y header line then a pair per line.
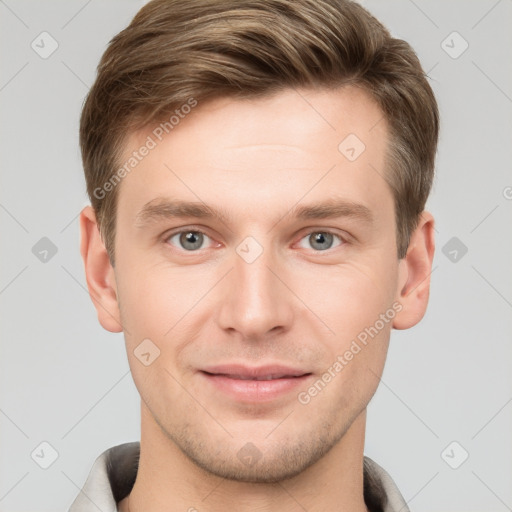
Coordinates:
x,y
256,301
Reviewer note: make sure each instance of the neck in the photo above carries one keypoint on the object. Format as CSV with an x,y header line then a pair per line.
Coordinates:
x,y
168,480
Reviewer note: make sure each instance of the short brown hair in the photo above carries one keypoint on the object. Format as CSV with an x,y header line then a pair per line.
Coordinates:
x,y
175,50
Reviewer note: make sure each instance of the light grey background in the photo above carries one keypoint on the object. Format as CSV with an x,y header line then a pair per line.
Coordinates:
x,y
66,382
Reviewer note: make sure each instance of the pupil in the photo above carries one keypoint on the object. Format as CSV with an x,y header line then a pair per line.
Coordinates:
x,y
322,238
191,240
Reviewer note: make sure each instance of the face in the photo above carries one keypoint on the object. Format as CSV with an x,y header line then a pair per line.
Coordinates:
x,y
266,284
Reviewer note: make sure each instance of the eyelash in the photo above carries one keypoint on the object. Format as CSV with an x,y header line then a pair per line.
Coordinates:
x,y
168,236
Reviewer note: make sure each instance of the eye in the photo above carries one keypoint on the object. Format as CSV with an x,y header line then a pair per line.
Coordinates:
x,y
321,240
190,240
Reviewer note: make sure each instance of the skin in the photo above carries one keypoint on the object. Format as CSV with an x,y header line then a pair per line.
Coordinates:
x,y
295,304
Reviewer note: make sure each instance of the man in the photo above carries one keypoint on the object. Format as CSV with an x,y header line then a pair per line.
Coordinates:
x,y
258,172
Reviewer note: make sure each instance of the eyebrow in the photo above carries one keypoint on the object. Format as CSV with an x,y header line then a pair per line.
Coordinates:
x,y
164,208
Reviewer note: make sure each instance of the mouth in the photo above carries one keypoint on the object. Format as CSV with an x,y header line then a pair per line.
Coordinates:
x,y
255,384
262,377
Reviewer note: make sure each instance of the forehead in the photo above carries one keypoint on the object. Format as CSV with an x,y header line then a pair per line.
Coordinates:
x,y
286,116
236,151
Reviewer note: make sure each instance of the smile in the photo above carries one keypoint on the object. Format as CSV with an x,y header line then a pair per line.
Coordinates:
x,y
255,384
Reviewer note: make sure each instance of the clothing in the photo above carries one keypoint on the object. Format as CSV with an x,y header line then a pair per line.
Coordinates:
x,y
113,475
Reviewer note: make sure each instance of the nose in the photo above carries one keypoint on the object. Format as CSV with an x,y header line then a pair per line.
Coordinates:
x,y
256,301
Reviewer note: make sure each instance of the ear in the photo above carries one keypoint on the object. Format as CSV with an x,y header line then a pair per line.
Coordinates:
x,y
99,272
414,274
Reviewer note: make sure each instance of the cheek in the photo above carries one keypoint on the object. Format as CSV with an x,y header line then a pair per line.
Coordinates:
x,y
353,367
164,310
363,323
154,298
353,298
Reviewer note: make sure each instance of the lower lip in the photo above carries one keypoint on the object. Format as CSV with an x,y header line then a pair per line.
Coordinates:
x,y
255,390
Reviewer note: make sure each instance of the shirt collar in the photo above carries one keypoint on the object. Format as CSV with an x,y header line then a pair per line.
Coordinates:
x,y
113,475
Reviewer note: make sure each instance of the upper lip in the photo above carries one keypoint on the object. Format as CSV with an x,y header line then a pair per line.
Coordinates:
x,y
271,371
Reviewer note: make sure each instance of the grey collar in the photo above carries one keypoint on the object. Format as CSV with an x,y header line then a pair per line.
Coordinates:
x,y
113,475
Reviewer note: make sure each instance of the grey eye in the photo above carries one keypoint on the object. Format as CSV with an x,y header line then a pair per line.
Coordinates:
x,y
321,240
189,240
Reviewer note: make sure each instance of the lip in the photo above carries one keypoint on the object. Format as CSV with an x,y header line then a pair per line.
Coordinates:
x,y
255,383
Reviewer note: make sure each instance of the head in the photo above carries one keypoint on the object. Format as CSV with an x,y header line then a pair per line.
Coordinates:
x,y
305,137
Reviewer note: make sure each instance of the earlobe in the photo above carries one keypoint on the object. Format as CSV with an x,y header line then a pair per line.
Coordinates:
x,y
414,274
99,273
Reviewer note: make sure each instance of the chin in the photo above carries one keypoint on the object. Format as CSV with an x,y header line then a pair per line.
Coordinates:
x,y
274,463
